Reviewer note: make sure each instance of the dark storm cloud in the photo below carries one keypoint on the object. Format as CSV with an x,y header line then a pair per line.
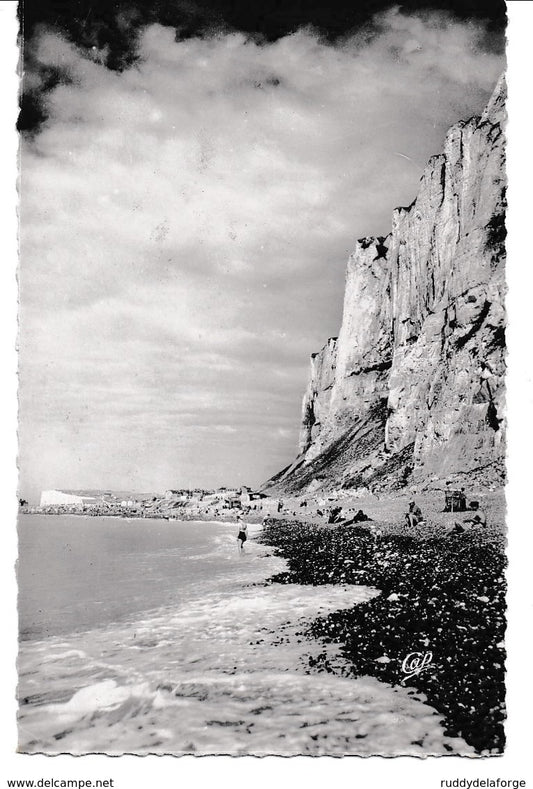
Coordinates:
x,y
109,31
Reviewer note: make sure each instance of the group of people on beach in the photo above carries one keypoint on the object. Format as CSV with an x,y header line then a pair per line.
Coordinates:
x,y
414,517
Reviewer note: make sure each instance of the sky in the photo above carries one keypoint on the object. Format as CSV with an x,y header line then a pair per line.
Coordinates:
x,y
187,210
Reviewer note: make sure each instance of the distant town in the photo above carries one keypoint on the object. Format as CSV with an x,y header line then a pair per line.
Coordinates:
x,y
174,504
182,504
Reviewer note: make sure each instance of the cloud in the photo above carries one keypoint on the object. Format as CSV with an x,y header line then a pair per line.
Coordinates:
x,y
184,231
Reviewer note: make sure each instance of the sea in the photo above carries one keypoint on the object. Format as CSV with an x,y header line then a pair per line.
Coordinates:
x,y
142,636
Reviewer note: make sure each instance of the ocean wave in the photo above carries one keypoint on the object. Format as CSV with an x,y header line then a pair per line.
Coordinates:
x,y
224,672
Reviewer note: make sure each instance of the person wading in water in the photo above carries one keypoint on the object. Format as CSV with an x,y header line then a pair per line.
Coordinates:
x,y
242,535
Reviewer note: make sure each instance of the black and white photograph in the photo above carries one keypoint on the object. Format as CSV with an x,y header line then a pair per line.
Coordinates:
x,y
262,379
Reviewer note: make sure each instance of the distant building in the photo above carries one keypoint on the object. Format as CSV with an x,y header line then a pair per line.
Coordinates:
x,y
247,496
212,498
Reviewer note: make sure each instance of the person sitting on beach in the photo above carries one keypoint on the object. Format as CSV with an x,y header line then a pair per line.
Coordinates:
x,y
335,515
414,516
359,517
243,534
478,517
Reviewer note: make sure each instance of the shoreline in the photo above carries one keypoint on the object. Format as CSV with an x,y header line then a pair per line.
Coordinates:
x,y
200,518
380,554
439,597
233,671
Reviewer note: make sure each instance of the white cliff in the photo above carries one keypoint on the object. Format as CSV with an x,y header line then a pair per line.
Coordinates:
x,y
413,388
317,399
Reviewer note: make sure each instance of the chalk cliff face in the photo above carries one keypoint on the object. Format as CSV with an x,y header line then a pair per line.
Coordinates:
x,y
317,399
413,387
